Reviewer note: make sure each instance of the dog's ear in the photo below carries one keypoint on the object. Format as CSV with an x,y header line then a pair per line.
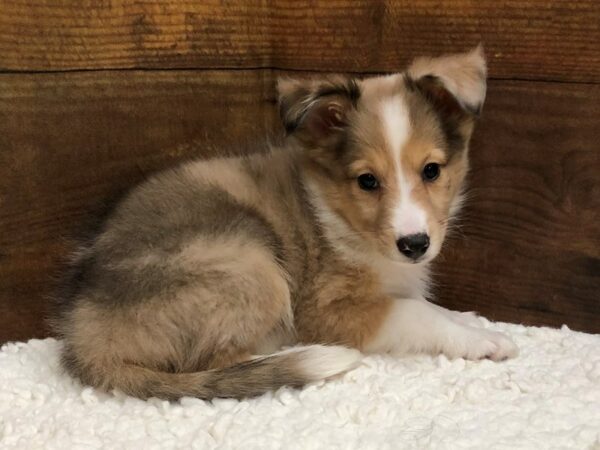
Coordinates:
x,y
453,83
316,111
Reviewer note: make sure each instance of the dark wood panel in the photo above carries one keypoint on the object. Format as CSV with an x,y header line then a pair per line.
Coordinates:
x,y
529,248
71,143
532,39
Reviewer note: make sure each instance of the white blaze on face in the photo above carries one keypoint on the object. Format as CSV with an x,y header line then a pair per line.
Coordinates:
x,y
407,218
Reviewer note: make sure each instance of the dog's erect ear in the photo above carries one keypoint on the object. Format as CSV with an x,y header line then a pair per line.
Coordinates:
x,y
452,81
316,111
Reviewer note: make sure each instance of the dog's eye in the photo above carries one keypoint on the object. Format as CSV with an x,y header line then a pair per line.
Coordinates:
x,y
431,171
368,182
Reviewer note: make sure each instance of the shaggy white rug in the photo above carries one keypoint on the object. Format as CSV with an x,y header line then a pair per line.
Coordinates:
x,y
549,397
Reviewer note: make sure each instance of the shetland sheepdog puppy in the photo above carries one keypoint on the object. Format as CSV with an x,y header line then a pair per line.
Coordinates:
x,y
201,276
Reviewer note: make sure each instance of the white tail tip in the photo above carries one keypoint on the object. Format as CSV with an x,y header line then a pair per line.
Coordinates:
x,y
318,362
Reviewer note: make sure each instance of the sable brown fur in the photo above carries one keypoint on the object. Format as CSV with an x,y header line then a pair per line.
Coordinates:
x,y
203,267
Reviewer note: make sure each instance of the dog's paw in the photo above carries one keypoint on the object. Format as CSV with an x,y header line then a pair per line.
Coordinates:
x,y
476,343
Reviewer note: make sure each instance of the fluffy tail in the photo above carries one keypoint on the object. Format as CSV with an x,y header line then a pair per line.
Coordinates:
x,y
294,367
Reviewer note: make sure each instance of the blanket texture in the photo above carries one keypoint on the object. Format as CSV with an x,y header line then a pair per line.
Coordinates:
x,y
549,397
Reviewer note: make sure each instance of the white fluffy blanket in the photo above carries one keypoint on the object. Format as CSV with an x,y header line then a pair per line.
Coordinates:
x,y
549,397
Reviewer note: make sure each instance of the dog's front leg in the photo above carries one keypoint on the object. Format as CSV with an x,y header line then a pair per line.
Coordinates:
x,y
417,326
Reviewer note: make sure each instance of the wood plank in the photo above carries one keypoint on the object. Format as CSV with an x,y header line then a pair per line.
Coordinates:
x,y
532,39
71,143
530,245
528,248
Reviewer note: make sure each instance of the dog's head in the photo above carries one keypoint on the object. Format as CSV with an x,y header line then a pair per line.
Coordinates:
x,y
385,157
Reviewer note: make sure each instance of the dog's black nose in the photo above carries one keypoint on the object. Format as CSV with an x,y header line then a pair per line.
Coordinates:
x,y
413,246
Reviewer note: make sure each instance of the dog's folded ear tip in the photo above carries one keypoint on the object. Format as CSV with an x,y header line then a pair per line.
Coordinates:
x,y
478,57
479,49
462,74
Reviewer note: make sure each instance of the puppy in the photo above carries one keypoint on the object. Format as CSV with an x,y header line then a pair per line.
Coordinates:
x,y
202,274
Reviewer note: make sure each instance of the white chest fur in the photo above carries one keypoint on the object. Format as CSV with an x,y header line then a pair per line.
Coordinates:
x,y
401,280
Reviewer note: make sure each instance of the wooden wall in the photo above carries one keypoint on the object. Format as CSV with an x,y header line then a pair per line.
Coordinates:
x,y
96,94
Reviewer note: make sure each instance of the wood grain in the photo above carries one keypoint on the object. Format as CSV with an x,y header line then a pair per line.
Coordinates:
x,y
529,244
528,247
532,39
69,145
